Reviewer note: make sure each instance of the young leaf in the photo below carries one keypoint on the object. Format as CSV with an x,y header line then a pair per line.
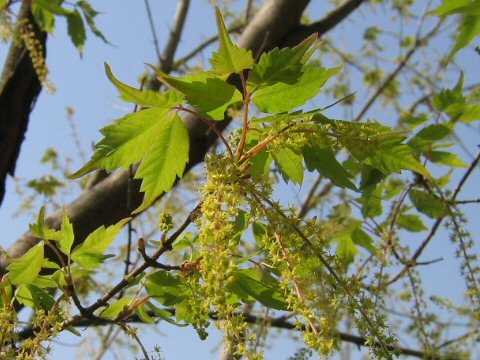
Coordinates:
x,y
428,204
229,58
76,30
281,97
91,253
143,97
34,297
52,6
44,18
165,162
323,160
163,314
290,164
395,159
469,27
126,142
247,284
429,136
411,222
446,158
116,308
89,13
41,230
66,242
166,288
280,65
26,268
208,94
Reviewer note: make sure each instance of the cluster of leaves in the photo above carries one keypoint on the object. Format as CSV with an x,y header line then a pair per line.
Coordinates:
x,y
45,11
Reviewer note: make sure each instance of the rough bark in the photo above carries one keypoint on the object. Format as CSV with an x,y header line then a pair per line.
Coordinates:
x,y
106,202
19,88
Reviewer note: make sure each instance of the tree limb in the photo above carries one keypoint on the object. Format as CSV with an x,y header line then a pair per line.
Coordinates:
x,y
19,89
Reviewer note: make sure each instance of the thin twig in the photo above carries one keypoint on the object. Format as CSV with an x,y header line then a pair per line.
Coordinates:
x,y
152,29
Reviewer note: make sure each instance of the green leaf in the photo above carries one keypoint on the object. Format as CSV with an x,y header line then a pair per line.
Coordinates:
x,y
116,308
469,27
395,159
45,19
429,136
91,253
34,297
52,6
165,162
290,164
208,94
280,65
260,164
323,160
143,97
26,268
247,283
229,58
446,158
281,97
76,30
412,223
349,239
89,13
66,242
166,288
361,238
163,314
127,141
428,204
41,230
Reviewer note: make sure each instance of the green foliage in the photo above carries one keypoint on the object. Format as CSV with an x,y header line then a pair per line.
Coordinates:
x,y
26,268
469,27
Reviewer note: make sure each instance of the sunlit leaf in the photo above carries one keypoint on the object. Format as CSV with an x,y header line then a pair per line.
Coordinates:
x,y
66,242
166,288
91,253
26,268
323,160
281,97
290,164
76,30
116,308
142,97
411,222
229,58
208,94
34,297
41,230
446,158
428,204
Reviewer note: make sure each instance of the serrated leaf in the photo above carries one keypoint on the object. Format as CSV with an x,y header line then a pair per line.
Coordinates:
x,y
208,94
163,314
126,142
89,13
323,160
41,230
395,159
26,268
166,288
165,162
76,30
281,97
245,284
142,97
91,253
116,308
428,204
280,65
45,19
361,238
52,6
66,242
411,222
229,58
469,27
428,136
34,297
446,158
290,164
